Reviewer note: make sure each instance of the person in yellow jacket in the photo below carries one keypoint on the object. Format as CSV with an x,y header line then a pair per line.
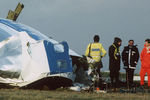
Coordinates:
x,y
96,51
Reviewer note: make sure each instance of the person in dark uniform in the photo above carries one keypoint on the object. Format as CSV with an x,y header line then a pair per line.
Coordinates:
x,y
114,62
130,57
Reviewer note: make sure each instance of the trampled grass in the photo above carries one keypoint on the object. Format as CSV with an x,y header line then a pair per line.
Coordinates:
x,y
18,94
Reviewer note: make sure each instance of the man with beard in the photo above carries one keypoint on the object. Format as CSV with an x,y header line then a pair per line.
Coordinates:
x,y
114,62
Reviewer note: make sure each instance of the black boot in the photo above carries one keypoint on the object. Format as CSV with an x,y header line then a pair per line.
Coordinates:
x,y
142,88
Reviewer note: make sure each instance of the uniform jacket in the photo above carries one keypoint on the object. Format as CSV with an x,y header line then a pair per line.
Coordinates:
x,y
114,57
130,56
145,57
96,51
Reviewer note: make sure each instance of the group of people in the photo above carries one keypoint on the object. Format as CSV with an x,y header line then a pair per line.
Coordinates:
x,y
130,57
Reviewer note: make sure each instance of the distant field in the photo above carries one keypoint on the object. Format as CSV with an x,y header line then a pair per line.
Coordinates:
x,y
17,94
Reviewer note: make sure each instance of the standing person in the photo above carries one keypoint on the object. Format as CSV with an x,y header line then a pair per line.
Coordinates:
x,y
145,62
114,62
96,51
130,57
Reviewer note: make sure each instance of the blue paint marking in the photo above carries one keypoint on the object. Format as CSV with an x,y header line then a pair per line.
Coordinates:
x,y
59,62
55,59
19,28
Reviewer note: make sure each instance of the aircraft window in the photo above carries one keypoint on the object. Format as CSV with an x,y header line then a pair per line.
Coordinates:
x,y
59,48
62,64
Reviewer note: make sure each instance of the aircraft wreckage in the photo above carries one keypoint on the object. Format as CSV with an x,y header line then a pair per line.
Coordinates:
x,y
28,58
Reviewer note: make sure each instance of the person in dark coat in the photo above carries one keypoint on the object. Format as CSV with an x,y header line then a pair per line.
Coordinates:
x,y
130,57
114,62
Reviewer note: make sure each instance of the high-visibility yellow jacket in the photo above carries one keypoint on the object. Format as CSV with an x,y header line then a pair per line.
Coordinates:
x,y
96,51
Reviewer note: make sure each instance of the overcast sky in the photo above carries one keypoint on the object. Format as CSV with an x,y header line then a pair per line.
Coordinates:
x,y
77,21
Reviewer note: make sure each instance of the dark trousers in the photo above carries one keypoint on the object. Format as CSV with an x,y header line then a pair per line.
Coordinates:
x,y
98,66
129,77
99,73
99,81
114,76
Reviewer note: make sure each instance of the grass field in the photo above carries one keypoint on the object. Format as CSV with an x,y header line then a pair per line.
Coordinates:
x,y
18,94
